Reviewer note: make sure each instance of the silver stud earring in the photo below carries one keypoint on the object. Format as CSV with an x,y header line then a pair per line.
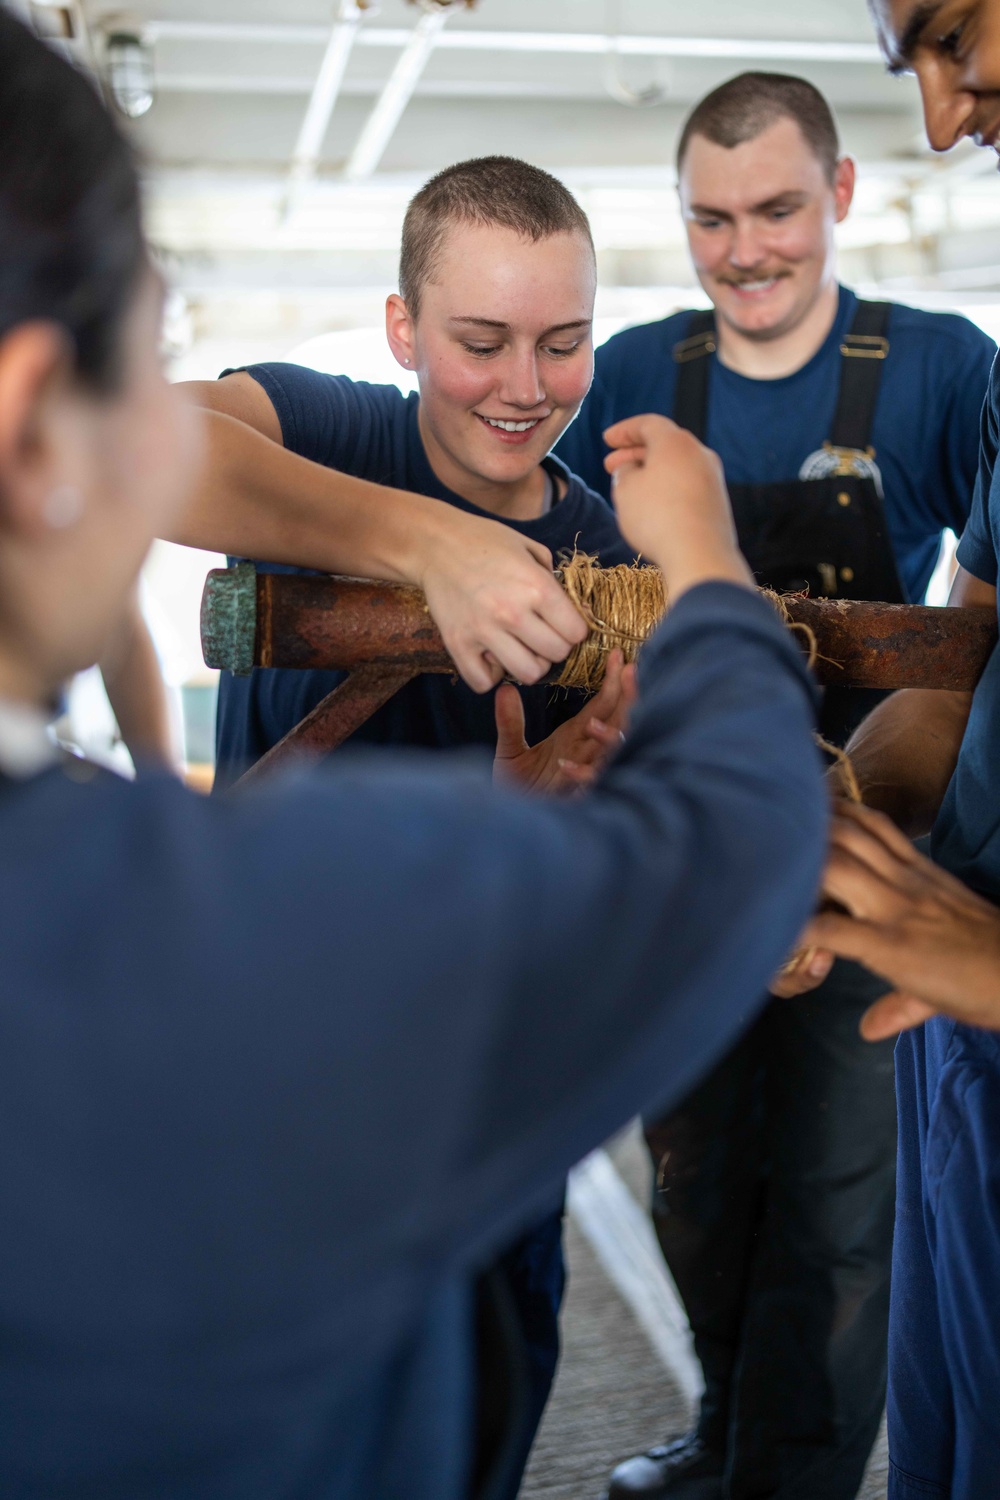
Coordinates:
x,y
63,507
406,361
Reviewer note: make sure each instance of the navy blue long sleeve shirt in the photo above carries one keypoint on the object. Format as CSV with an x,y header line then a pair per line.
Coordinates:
x,y
226,1025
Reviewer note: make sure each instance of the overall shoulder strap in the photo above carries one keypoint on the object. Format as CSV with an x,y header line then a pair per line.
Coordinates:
x,y
692,358
862,354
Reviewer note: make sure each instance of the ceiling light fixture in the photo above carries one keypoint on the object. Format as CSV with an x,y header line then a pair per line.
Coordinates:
x,y
128,70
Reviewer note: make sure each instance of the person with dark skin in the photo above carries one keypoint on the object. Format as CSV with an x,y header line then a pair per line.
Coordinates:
x,y
281,1072
928,762
848,433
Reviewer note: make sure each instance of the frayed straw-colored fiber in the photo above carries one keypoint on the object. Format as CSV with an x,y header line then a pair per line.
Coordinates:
x,y
622,605
798,627
846,778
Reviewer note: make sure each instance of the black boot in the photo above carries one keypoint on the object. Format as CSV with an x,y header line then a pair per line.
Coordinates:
x,y
681,1470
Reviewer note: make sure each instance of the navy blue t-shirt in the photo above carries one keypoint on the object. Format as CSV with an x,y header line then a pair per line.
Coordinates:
x,y
925,430
943,1324
966,837
371,431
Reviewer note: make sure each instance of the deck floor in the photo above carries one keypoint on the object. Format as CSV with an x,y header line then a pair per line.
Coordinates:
x,y
613,1396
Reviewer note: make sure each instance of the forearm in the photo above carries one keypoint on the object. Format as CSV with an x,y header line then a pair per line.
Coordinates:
x,y
134,684
257,499
905,752
490,590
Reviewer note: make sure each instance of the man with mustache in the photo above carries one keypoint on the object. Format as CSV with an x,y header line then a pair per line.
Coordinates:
x,y
848,434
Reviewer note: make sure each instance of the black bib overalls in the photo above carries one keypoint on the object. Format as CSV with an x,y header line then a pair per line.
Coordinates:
x,y
825,533
774,1180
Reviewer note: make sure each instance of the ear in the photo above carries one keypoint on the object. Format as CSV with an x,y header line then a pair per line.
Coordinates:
x,y
399,331
35,363
844,176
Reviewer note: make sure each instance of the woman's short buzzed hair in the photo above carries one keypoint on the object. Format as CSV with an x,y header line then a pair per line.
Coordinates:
x,y
744,107
488,190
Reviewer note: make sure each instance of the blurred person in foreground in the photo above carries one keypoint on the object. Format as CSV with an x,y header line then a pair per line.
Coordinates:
x,y
226,1025
848,432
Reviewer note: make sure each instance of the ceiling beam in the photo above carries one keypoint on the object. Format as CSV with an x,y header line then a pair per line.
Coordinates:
x,y
322,99
474,40
388,109
366,88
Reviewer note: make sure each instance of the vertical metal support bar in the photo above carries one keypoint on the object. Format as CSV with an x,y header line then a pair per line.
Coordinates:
x,y
322,100
392,101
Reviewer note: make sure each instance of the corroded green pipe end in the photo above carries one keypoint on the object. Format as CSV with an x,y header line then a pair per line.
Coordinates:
x,y
229,618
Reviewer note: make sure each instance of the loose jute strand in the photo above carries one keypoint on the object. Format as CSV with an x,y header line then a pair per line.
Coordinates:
x,y
622,605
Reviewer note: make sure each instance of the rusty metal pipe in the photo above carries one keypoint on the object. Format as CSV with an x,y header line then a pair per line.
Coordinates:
x,y
866,645
287,620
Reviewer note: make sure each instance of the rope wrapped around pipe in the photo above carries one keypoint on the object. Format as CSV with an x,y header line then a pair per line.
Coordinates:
x,y
623,606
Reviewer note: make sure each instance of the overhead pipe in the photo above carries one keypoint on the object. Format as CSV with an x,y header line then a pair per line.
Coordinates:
x,y
387,112
586,43
323,99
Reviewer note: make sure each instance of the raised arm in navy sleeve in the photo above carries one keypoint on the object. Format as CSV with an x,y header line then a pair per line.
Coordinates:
x,y
278,1071
503,980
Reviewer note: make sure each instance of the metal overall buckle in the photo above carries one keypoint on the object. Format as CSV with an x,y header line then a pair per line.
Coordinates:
x,y
864,346
695,346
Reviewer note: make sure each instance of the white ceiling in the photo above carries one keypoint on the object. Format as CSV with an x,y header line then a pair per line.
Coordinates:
x,y
233,78
257,247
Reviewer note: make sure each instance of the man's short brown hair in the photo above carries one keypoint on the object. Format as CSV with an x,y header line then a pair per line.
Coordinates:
x,y
744,107
487,190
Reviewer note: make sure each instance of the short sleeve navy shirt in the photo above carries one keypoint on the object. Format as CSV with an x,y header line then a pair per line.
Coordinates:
x,y
371,431
924,432
966,837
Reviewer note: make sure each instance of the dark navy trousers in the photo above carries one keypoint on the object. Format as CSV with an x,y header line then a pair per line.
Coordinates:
x,y
773,1205
535,1271
944,1334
